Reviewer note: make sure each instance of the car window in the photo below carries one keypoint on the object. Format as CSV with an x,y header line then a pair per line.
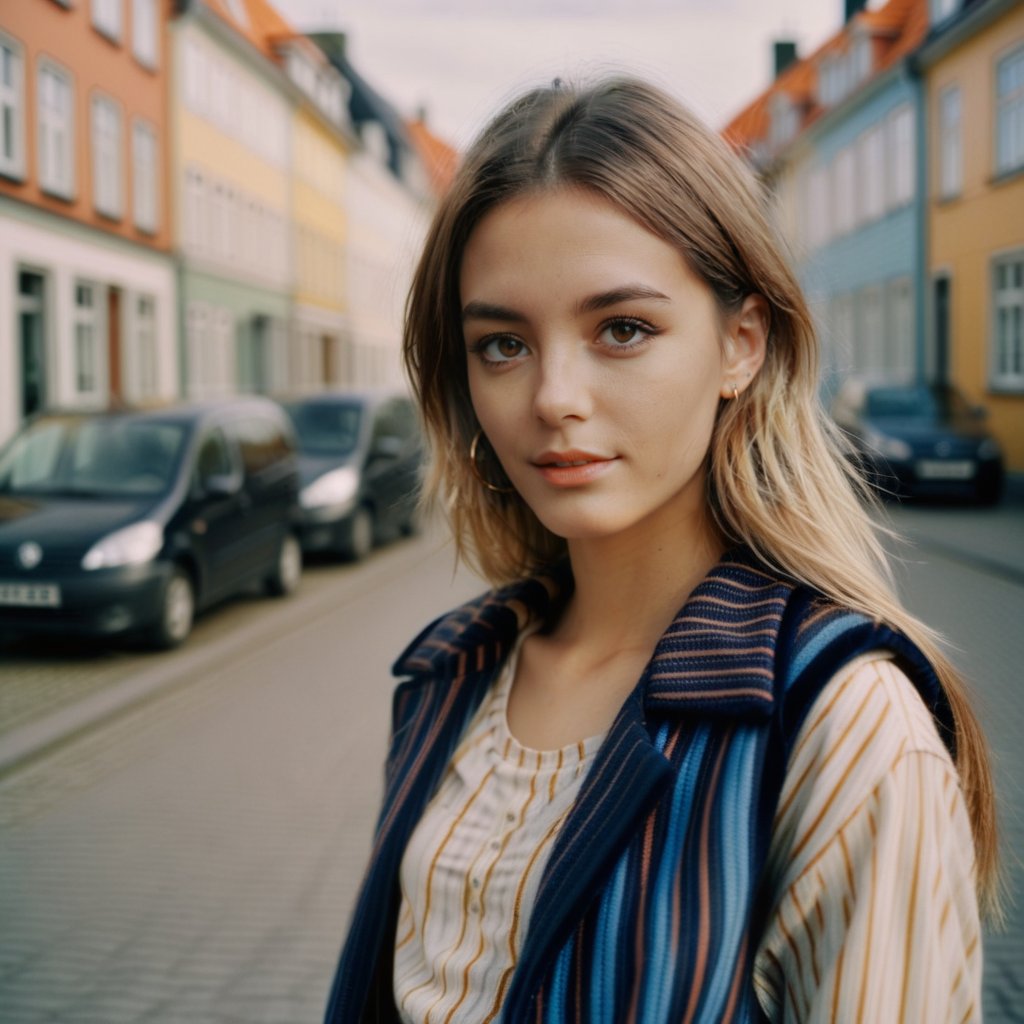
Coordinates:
x,y
261,442
326,428
214,458
929,404
394,418
105,456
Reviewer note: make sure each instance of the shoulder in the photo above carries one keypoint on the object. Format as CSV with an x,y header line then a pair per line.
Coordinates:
x,y
476,635
869,740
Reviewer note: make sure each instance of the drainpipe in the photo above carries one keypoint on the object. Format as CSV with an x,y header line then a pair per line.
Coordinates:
x,y
921,317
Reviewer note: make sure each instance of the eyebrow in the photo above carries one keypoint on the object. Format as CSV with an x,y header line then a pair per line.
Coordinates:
x,y
591,304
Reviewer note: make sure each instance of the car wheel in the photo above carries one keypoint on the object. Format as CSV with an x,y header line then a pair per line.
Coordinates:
x,y
361,535
284,580
177,611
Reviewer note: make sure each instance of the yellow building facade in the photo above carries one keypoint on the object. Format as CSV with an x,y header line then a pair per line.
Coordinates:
x,y
974,85
321,349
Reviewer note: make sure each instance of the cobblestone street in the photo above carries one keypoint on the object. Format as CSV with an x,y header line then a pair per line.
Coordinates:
x,y
192,856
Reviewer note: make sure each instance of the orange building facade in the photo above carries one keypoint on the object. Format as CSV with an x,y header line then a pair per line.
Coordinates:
x,y
87,308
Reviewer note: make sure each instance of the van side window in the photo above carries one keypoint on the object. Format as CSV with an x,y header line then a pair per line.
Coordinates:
x,y
261,441
396,419
214,456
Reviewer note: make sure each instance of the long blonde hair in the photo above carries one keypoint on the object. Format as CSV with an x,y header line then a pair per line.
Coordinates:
x,y
778,479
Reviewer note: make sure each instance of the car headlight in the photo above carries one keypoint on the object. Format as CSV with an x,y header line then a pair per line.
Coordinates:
x,y
988,449
132,545
338,487
890,447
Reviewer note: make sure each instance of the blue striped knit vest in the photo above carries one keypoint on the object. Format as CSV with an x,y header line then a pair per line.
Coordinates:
x,y
650,907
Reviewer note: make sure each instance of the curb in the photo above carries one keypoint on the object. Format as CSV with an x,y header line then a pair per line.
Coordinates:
x,y
38,737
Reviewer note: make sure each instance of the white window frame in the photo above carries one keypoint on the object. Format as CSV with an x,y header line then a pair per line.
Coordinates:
x,y
899,143
144,351
145,176
87,332
107,137
1008,315
108,18
56,132
146,33
194,211
1009,119
949,132
12,108
844,190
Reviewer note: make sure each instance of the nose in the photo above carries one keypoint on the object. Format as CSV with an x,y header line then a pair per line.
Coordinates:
x,y
562,390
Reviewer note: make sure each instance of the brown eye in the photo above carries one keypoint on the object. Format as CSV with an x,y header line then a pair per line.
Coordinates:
x,y
508,348
622,331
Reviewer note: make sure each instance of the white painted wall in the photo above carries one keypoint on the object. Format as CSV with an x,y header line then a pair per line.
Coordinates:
x,y
64,255
387,224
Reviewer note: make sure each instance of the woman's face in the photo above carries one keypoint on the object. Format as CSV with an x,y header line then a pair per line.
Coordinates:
x,y
596,363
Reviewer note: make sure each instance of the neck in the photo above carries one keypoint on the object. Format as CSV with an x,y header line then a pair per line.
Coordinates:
x,y
628,589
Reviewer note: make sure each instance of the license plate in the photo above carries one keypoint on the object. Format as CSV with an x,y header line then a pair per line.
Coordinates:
x,y
936,469
30,595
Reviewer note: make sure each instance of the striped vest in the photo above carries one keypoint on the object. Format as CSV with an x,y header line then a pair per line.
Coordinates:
x,y
650,908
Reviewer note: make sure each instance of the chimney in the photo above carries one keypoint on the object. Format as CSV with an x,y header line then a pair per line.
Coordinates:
x,y
785,54
852,8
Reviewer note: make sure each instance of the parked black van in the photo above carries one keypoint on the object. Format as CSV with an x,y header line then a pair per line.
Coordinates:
x,y
360,460
128,522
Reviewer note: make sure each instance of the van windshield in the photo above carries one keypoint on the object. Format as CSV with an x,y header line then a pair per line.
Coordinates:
x,y
103,457
326,428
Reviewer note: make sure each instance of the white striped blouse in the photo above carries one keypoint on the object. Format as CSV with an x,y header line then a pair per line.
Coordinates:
x,y
871,862
473,865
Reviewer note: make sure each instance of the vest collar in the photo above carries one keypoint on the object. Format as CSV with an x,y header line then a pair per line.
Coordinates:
x,y
717,656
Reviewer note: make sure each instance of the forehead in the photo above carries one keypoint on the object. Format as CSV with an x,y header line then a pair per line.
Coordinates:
x,y
565,239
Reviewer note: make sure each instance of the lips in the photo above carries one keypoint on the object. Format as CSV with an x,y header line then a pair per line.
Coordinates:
x,y
572,468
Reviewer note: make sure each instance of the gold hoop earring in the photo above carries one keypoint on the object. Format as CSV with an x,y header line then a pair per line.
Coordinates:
x,y
735,393
475,469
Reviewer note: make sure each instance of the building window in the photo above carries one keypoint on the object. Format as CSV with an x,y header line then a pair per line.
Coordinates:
x,y
1008,322
899,132
899,333
87,331
145,32
106,156
106,18
12,100
844,190
145,171
145,346
56,132
1010,112
940,10
951,170
871,170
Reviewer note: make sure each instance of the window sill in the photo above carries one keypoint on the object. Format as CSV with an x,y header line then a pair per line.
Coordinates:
x,y
15,174
152,66
55,192
997,390
1004,177
113,37
949,200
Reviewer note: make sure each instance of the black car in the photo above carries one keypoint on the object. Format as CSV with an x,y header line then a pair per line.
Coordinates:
x,y
920,440
127,522
360,457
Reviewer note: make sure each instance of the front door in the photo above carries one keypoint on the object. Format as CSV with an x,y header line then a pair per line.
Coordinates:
x,y
32,340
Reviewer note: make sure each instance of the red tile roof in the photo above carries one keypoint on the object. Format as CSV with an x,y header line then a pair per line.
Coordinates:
x,y
438,157
897,29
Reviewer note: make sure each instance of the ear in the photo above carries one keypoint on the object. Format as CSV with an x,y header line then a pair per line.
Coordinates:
x,y
746,342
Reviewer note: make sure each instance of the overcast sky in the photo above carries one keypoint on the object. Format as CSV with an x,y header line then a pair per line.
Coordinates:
x,y
461,59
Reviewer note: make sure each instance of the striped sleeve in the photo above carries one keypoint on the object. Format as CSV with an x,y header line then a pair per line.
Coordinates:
x,y
872,865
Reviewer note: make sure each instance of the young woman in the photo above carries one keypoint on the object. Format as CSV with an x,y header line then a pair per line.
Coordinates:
x,y
691,760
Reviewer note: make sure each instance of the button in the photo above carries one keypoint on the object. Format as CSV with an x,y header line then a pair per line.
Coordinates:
x,y
476,883
510,816
474,908
495,845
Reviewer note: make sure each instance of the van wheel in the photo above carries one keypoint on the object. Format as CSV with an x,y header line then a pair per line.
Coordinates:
x,y
360,538
177,612
284,580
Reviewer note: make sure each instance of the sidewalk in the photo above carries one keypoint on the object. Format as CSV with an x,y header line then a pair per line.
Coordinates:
x,y
991,539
